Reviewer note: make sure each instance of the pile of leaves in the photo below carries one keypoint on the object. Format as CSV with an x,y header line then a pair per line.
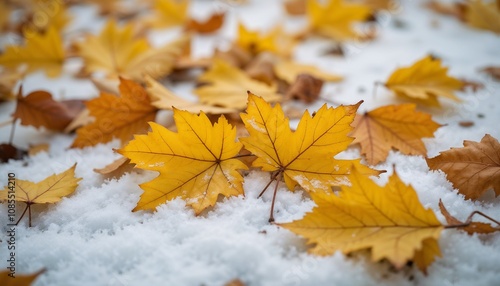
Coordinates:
x,y
239,121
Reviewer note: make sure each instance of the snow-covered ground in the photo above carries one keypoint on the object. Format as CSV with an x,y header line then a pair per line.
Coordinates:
x,y
93,238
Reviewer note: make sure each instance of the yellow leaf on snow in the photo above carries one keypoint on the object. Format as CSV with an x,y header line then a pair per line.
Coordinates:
x,y
42,51
485,16
303,157
393,126
117,117
117,52
169,13
47,191
276,41
195,164
289,70
335,19
424,81
473,169
228,87
163,98
389,220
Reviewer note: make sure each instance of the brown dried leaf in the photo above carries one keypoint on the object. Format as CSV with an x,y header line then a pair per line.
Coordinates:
x,y
209,26
116,168
9,151
35,149
305,88
295,7
456,10
492,71
473,169
473,227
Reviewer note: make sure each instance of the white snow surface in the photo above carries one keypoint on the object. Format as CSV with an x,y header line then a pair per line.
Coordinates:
x,y
93,238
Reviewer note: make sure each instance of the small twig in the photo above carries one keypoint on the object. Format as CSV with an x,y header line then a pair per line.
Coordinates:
x,y
271,216
22,215
469,220
12,130
268,184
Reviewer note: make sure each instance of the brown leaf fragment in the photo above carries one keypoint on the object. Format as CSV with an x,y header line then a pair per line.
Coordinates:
x,y
9,151
493,71
456,10
209,26
335,50
472,85
39,109
466,123
473,227
235,56
305,88
20,279
35,149
116,168
235,282
262,68
473,169
295,7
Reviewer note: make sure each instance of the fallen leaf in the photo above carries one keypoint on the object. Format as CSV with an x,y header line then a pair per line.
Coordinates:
x,y
389,220
295,7
107,85
306,156
117,117
8,80
116,168
227,87
493,72
35,149
117,52
196,164
424,81
211,25
483,15
168,13
50,190
275,41
456,10
54,15
466,123
379,4
306,88
38,109
163,98
9,151
427,254
20,279
81,119
392,126
261,68
235,282
473,85
471,228
289,70
473,169
335,18
41,51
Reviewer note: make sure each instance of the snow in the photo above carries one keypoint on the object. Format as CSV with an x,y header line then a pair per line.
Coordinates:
x,y
93,238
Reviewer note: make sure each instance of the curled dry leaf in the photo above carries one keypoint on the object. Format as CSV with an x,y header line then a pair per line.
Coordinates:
x,y
117,117
335,19
424,81
38,109
211,25
50,190
227,87
470,228
483,15
393,126
9,151
41,51
305,88
473,169
163,98
389,220
289,70
116,168
196,164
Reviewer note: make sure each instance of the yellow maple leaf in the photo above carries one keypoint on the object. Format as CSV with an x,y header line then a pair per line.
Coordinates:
x,y
117,52
306,156
289,70
424,81
50,190
485,16
42,51
117,117
52,12
169,13
275,41
196,164
164,98
335,19
390,220
228,87
392,126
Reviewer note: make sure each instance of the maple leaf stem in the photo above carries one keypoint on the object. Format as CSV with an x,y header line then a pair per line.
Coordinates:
x,y
268,184
469,220
22,215
12,130
271,216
